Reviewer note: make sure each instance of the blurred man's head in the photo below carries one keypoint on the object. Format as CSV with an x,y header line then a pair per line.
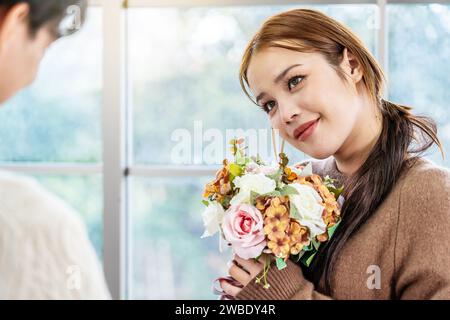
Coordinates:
x,y
27,28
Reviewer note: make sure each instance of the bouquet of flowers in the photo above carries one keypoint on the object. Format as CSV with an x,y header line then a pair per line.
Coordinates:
x,y
271,210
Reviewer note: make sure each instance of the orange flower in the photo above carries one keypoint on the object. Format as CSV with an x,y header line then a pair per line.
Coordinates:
x,y
290,176
262,203
298,236
280,247
277,210
275,229
221,186
322,237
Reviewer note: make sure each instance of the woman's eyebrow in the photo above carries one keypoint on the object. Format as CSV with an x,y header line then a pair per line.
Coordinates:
x,y
277,79
282,74
259,97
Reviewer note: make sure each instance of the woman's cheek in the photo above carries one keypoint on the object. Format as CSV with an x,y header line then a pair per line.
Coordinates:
x,y
276,124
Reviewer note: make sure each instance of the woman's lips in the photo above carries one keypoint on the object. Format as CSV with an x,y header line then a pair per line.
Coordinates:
x,y
305,130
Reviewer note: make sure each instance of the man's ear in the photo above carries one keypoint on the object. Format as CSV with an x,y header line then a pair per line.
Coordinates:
x,y
12,21
351,66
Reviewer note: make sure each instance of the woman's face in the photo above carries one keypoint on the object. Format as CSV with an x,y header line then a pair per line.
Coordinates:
x,y
295,89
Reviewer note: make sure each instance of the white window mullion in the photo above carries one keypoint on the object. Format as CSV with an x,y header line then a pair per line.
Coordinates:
x,y
114,149
152,171
383,36
53,168
197,3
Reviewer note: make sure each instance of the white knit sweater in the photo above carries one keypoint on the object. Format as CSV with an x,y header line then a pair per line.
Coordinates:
x,y
45,252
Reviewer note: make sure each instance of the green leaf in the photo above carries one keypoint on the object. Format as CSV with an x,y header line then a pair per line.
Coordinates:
x,y
299,256
206,203
272,194
253,196
241,159
235,170
283,159
336,192
332,230
294,212
276,176
316,244
329,182
288,190
310,259
281,264
308,248
226,202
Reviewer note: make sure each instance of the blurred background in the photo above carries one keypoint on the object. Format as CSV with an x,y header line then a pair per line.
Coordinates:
x,y
96,127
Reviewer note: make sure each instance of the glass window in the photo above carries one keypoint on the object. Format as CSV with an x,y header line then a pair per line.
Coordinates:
x,y
419,48
169,260
186,76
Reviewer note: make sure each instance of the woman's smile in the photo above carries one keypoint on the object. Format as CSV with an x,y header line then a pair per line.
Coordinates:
x,y
305,130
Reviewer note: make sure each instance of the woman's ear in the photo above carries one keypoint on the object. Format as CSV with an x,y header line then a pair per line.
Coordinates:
x,y
351,66
12,21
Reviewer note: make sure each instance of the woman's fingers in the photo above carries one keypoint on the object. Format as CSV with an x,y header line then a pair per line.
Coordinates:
x,y
252,266
229,289
239,274
243,271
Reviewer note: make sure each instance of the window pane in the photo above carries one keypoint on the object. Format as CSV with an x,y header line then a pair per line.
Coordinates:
x,y
84,194
189,73
169,260
419,49
59,117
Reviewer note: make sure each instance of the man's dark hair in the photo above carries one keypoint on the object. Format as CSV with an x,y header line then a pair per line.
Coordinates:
x,y
63,16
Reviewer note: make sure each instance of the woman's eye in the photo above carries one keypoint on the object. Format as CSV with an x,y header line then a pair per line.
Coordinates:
x,y
293,82
268,106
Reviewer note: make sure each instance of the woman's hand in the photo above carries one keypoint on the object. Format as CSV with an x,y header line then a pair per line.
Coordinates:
x,y
243,271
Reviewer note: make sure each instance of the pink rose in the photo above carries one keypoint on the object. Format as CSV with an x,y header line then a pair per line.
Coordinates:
x,y
243,227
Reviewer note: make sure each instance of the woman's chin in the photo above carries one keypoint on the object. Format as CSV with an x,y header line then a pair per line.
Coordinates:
x,y
311,149
317,153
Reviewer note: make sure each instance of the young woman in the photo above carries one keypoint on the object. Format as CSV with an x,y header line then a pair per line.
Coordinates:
x,y
322,89
45,252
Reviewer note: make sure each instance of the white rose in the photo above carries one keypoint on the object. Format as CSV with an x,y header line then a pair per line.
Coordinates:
x,y
212,218
258,183
308,204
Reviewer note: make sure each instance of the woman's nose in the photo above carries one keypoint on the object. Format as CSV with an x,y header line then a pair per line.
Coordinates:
x,y
288,113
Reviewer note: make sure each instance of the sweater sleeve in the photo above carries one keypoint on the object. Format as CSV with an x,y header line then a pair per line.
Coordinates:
x,y
59,264
84,274
285,284
422,257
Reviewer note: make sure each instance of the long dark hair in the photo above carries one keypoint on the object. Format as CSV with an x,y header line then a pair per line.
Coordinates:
x,y
404,135
51,12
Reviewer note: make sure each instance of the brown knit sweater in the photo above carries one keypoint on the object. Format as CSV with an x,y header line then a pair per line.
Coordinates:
x,y
401,252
